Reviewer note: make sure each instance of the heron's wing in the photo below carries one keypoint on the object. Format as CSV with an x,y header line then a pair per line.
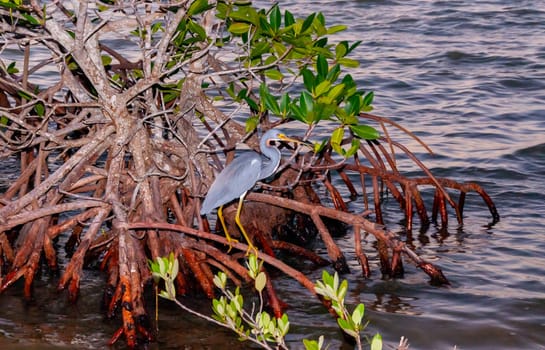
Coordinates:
x,y
235,179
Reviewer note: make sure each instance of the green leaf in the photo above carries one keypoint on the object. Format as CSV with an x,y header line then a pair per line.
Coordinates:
x,y
320,46
347,327
285,104
353,105
321,18
237,302
30,19
351,120
221,10
357,315
231,91
260,281
365,132
152,265
335,280
269,100
164,294
322,67
334,73
336,91
311,344
350,83
324,109
239,28
251,103
253,266
246,14
368,99
308,79
264,319
197,7
306,102
307,23
376,342
320,341
12,69
274,74
106,60
275,18
39,108
336,29
170,96
288,18
155,27
8,4
348,62
353,148
231,310
327,278
220,280
175,268
24,94
265,26
219,306
162,265
197,29
251,123
322,88
341,49
279,49
336,140
319,25
283,324
319,147
343,288
297,113
353,46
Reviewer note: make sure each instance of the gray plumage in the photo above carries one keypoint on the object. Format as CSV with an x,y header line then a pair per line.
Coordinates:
x,y
243,172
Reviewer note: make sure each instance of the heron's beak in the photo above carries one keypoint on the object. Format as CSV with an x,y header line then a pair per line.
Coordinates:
x,y
285,138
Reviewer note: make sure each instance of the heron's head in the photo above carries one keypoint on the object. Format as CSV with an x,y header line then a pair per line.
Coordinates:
x,y
275,135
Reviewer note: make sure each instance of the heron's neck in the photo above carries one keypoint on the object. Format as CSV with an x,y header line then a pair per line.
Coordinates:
x,y
271,162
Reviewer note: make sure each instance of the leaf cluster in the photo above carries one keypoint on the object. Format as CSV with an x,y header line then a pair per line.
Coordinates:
x,y
166,269
19,13
334,290
300,74
259,326
286,49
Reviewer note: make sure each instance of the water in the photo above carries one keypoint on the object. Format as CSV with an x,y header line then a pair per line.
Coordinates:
x,y
466,77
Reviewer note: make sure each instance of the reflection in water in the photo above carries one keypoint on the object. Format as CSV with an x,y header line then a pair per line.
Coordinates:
x,y
394,304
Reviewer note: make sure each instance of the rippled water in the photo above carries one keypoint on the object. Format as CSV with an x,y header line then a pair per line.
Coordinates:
x,y
469,79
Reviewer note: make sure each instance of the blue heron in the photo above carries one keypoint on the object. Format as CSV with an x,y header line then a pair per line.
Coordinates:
x,y
241,175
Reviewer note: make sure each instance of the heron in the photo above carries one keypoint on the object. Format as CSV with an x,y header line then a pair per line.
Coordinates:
x,y
241,175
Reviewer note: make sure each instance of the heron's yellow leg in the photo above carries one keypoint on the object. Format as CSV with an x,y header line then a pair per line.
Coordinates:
x,y
227,235
237,220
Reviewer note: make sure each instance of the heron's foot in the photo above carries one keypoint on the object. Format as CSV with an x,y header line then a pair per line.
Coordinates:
x,y
230,242
252,250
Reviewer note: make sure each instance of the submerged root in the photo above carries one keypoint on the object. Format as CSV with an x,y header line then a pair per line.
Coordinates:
x,y
121,217
115,191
